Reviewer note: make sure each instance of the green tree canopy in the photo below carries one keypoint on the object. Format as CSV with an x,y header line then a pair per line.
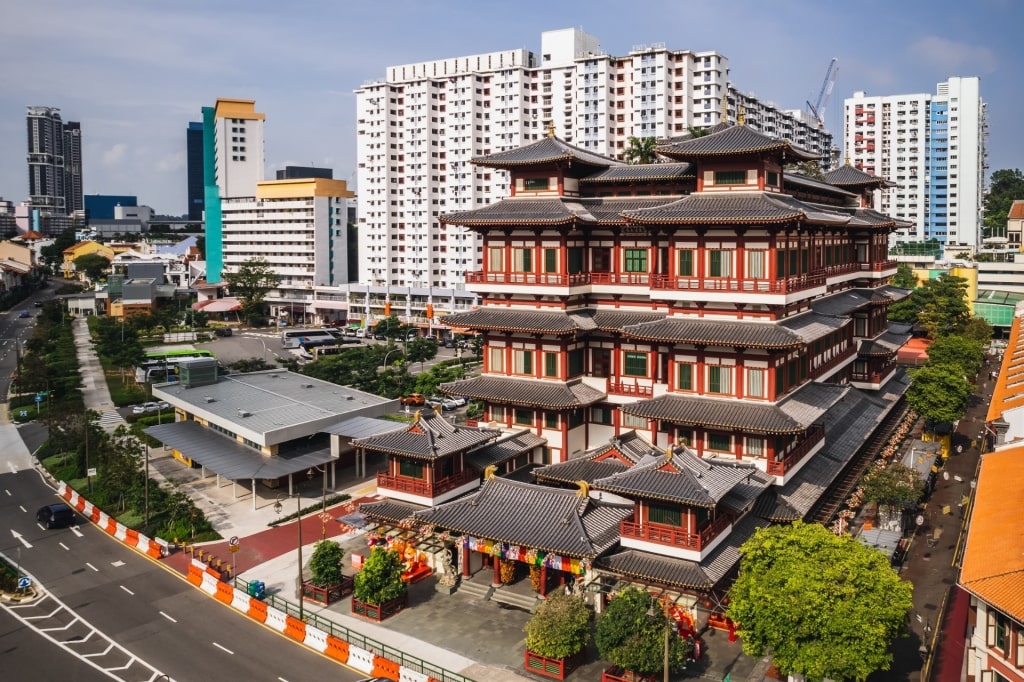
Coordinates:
x,y
380,580
904,277
810,169
939,393
823,605
93,265
420,350
939,305
965,353
560,627
631,634
640,150
979,329
895,485
1005,186
251,283
53,254
392,328
325,564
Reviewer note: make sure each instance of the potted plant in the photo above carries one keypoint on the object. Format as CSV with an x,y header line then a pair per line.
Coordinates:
x,y
631,634
379,591
556,636
328,583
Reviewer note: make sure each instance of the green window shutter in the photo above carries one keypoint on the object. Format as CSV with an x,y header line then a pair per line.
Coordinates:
x,y
636,364
669,516
714,379
528,362
686,263
550,364
575,362
716,263
550,260
780,263
575,260
685,377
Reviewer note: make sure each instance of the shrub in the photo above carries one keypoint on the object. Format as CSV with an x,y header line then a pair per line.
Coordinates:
x,y
560,628
325,563
380,580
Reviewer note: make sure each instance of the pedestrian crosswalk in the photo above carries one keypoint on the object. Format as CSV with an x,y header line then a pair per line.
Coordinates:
x,y
111,419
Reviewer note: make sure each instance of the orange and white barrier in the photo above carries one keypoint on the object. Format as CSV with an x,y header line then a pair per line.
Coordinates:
x,y
155,548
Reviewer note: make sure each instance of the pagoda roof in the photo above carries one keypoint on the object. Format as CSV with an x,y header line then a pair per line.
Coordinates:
x,y
536,516
793,414
848,176
430,436
643,172
845,303
865,216
709,331
552,395
734,140
548,150
739,207
556,322
597,463
505,449
530,211
806,183
682,478
389,511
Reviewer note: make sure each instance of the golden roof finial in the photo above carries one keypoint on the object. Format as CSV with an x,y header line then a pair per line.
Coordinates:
x,y
490,471
725,105
584,488
551,128
437,409
741,115
416,416
668,453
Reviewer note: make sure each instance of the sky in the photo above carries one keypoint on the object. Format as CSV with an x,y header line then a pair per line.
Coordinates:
x,y
135,72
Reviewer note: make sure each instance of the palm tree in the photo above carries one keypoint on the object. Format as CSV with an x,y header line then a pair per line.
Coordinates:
x,y
641,150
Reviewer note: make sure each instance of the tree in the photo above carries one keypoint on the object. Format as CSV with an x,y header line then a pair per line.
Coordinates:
x,y
631,634
895,485
1005,186
53,254
939,393
560,627
979,329
939,305
698,132
420,350
810,169
251,283
391,328
380,580
93,265
325,564
641,150
960,351
823,605
904,277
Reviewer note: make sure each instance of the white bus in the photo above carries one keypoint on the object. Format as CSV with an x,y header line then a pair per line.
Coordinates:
x,y
295,338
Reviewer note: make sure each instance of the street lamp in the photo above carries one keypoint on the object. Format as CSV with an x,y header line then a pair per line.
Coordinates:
x,y
298,513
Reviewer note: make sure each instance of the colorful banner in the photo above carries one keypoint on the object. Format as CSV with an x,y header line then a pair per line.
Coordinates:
x,y
530,556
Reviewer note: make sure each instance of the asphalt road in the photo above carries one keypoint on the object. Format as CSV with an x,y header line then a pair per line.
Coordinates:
x,y
153,615
28,657
13,332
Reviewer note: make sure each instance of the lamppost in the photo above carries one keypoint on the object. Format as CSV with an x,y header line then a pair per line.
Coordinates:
x,y
323,501
298,523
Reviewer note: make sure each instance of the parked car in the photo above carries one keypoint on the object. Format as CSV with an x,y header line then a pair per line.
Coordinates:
x,y
413,399
38,304
360,333
56,515
380,337
459,400
145,408
350,332
163,405
450,343
222,331
449,404
24,313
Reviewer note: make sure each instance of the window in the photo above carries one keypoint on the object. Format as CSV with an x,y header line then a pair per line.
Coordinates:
x,y
684,376
522,260
756,383
550,420
631,421
496,259
772,179
410,469
550,260
738,177
636,260
720,442
757,264
496,359
575,361
720,263
524,417
498,413
685,263
719,379
522,361
669,516
575,259
551,364
576,418
535,184
601,415
755,447
635,364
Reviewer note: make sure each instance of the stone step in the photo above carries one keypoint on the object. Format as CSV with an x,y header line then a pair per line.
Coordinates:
x,y
475,589
527,602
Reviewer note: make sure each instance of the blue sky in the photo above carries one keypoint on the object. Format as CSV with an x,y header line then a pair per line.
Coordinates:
x,y
134,73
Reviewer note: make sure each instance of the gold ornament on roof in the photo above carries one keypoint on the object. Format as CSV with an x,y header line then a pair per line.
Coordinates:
x,y
416,416
668,454
741,115
551,128
725,105
583,489
490,471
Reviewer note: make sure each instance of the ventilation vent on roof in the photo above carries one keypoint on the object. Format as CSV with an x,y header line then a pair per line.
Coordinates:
x,y
244,413
208,398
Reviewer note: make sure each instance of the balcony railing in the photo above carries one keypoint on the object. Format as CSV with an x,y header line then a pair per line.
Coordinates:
x,y
815,435
676,537
761,286
879,266
527,278
828,365
874,376
632,388
422,488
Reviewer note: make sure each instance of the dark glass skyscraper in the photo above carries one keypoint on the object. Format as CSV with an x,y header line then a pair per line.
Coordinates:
x,y
194,142
54,161
73,167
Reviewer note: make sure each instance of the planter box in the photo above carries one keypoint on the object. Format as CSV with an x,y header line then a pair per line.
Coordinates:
x,y
617,674
556,668
327,595
378,612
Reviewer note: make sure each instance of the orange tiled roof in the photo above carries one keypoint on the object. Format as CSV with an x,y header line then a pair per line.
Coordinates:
x,y
1016,210
1009,389
993,563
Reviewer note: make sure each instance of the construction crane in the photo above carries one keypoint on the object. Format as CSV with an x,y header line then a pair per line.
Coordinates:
x,y
818,109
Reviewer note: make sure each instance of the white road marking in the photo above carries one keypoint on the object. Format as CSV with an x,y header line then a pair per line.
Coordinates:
x,y
225,649
64,546
117,564
23,509
8,492
282,679
92,567
168,617
126,590
74,529
20,539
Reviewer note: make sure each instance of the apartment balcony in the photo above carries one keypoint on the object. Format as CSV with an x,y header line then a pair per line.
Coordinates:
x,y
422,488
815,434
630,388
671,536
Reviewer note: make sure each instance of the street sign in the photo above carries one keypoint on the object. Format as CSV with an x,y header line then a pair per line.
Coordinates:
x,y
233,541
91,471
39,398
24,582
233,548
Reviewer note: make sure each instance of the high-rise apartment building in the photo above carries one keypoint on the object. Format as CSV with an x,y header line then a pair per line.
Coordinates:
x,y
420,126
933,148
73,167
46,159
194,159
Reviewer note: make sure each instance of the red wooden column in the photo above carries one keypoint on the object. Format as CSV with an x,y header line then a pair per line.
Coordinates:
x,y
465,562
496,580
543,580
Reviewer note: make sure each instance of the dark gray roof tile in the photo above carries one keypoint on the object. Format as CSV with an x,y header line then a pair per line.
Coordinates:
x,y
714,332
721,208
545,151
429,437
731,141
848,176
643,172
506,449
554,395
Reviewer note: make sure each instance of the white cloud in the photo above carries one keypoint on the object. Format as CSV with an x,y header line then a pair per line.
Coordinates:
x,y
115,154
953,56
171,162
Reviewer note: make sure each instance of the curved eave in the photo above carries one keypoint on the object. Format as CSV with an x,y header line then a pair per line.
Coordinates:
x,y
775,220
633,494
785,150
497,400
506,328
568,220
724,343
492,538
636,181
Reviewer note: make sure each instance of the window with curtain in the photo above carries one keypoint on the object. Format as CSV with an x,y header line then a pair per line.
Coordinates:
x,y
720,263
496,259
635,260
756,383
550,260
496,359
720,442
600,415
719,379
663,514
755,447
550,364
631,421
684,376
757,264
522,260
685,258
497,413
522,361
635,364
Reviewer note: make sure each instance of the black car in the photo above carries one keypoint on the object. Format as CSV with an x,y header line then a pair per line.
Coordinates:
x,y
222,331
57,515
380,337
